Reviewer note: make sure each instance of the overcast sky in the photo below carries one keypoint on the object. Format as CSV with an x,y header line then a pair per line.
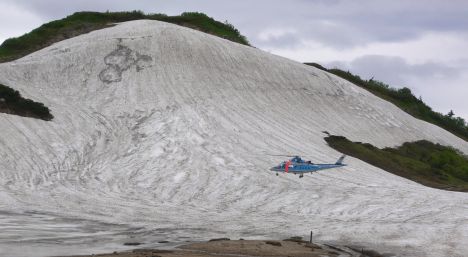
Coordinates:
x,y
418,44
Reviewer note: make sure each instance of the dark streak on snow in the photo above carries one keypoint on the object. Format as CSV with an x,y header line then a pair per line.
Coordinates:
x,y
120,60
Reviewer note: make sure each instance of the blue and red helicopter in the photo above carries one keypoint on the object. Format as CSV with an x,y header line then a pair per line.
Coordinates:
x,y
297,165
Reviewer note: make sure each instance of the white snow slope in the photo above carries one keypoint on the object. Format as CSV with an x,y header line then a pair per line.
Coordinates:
x,y
162,133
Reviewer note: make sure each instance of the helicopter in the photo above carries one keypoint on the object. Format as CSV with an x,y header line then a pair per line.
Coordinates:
x,y
297,165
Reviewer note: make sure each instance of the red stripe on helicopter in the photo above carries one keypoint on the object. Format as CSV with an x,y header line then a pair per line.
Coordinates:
x,y
286,167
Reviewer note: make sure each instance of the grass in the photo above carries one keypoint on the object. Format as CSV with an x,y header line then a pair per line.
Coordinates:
x,y
84,22
429,164
405,100
12,102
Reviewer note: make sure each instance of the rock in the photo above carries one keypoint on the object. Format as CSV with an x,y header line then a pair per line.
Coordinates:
x,y
297,239
220,239
151,251
132,243
275,243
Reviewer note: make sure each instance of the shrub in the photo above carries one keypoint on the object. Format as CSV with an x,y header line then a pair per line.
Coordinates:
x,y
430,164
12,102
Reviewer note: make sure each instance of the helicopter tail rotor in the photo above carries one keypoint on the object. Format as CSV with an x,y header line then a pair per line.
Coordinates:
x,y
340,160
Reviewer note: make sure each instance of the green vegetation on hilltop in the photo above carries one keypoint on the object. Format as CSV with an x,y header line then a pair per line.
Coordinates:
x,y
424,162
12,102
405,100
84,22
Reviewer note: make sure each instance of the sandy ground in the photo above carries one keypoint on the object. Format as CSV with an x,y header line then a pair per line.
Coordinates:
x,y
236,248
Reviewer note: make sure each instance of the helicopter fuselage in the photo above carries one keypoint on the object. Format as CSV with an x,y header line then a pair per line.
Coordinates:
x,y
298,166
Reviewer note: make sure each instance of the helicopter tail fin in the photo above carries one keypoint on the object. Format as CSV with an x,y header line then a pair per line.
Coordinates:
x,y
340,160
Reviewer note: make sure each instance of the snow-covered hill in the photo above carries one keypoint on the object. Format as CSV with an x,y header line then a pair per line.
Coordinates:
x,y
162,133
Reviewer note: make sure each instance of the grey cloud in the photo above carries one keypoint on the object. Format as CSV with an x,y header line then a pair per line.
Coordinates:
x,y
339,23
288,39
435,82
346,24
395,70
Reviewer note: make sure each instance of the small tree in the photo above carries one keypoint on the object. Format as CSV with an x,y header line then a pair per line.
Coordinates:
x,y
450,114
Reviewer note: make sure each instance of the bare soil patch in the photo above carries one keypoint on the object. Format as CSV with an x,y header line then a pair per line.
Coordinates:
x,y
233,248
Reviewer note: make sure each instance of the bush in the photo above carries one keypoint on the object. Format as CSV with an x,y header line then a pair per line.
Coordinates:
x,y
422,161
12,102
